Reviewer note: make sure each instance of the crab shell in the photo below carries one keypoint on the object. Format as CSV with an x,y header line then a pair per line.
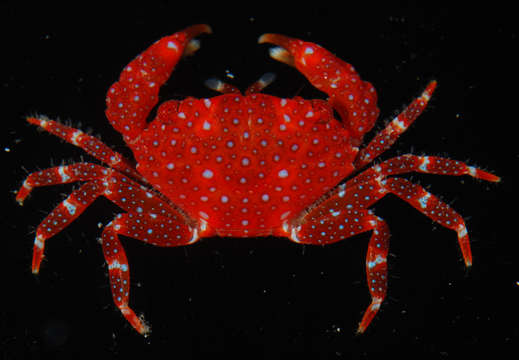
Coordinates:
x,y
244,165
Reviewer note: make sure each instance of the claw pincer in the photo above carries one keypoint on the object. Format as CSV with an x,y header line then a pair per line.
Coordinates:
x,y
354,99
130,99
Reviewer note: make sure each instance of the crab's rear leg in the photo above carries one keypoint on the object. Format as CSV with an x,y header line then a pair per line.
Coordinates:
x,y
354,99
130,100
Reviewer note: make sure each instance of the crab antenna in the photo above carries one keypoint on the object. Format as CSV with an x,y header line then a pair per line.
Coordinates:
x,y
220,86
264,81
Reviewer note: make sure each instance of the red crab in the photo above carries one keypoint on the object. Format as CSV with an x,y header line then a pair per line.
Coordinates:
x,y
245,165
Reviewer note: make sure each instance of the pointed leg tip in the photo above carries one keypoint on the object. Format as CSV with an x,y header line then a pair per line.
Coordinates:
x,y
493,178
145,330
360,330
142,326
137,322
32,120
35,267
431,87
483,175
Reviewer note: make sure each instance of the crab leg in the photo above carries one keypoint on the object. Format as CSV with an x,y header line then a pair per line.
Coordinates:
x,y
70,208
376,270
334,220
90,144
387,137
60,175
423,164
148,227
130,100
372,184
433,208
366,194
354,99
62,215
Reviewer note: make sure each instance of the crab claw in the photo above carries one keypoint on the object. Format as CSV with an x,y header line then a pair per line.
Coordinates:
x,y
355,100
130,100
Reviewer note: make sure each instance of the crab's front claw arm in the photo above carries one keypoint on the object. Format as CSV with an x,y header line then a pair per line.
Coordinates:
x,y
130,100
354,99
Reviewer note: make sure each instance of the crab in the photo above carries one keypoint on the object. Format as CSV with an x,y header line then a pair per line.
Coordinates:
x,y
245,164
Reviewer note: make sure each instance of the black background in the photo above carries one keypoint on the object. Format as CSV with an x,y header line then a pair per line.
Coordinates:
x,y
265,298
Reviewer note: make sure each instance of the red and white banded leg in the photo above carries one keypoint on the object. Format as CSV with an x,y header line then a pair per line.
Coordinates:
x,y
92,145
434,209
70,208
368,193
60,175
62,215
337,219
144,226
376,270
373,183
387,137
423,164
